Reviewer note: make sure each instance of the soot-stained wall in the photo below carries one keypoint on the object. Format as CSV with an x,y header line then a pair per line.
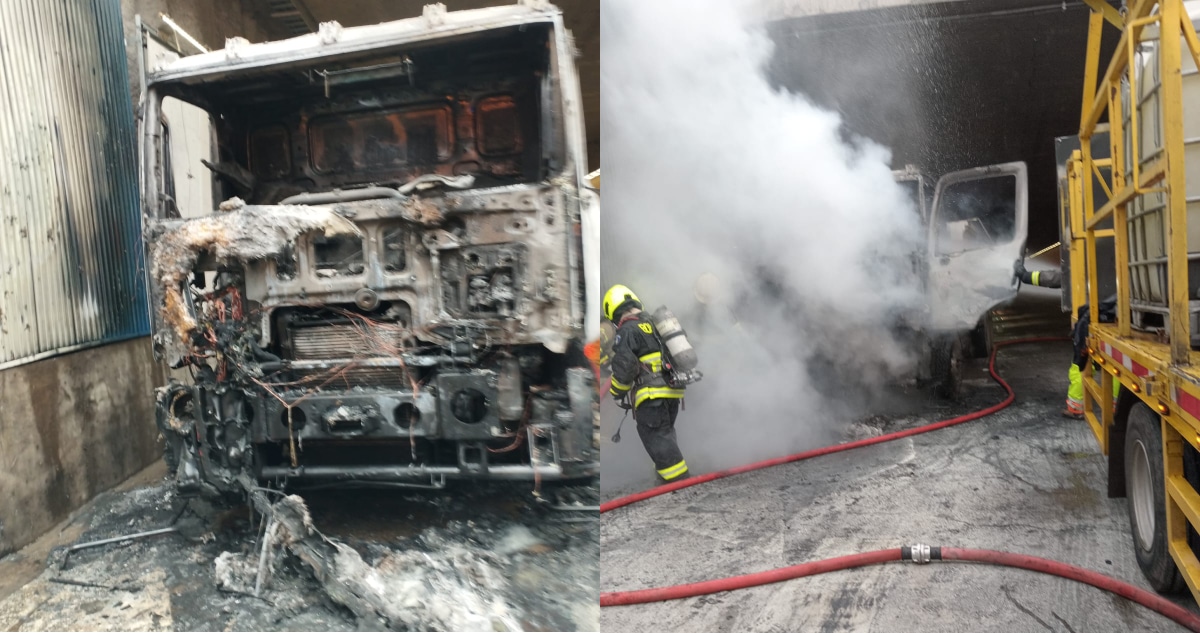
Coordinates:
x,y
952,85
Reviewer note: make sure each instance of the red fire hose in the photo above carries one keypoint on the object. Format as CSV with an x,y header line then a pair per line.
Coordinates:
x,y
836,448
1032,563
662,594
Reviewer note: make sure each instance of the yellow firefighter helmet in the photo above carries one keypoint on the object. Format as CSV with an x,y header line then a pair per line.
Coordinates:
x,y
615,298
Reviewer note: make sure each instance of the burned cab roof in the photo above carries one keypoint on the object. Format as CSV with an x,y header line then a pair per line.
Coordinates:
x,y
499,53
334,44
468,101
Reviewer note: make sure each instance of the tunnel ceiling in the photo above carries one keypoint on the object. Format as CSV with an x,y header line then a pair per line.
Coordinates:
x,y
951,85
581,16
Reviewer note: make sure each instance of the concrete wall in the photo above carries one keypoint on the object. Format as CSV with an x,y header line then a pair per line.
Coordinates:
x,y
70,427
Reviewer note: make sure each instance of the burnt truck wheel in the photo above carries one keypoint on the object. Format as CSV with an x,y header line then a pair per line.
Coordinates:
x,y
945,367
1145,493
981,338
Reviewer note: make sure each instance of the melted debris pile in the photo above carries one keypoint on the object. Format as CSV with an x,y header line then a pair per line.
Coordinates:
x,y
489,560
451,579
239,233
443,586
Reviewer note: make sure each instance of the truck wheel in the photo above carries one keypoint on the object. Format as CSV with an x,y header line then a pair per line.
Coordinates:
x,y
1145,494
981,338
945,367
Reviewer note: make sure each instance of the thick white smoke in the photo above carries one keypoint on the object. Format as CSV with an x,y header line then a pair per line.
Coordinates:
x,y
711,171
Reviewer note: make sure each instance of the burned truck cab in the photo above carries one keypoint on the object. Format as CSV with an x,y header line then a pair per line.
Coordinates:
x,y
380,277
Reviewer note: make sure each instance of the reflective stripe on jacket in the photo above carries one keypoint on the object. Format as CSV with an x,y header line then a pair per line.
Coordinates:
x,y
1043,278
637,362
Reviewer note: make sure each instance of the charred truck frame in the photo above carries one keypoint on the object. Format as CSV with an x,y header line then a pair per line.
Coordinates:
x,y
394,288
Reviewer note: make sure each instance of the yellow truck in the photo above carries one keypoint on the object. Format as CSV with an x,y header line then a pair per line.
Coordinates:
x,y
1131,192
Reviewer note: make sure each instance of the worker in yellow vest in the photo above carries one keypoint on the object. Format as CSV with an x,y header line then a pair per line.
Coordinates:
x,y
1053,279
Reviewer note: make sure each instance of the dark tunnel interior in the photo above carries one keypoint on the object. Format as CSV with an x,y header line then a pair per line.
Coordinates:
x,y
951,85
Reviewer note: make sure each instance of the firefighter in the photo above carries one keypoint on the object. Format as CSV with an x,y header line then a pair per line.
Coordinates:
x,y
1079,334
638,382
1040,278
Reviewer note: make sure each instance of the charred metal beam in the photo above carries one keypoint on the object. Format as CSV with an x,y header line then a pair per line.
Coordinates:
x,y
118,539
350,195
406,472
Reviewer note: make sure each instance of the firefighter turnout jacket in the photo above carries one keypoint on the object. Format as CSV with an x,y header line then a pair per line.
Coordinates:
x,y
1043,278
637,362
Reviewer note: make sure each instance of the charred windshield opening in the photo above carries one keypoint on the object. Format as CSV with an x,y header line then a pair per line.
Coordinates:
x,y
473,106
975,214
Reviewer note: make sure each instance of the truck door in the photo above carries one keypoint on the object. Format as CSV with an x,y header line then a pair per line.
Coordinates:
x,y
977,230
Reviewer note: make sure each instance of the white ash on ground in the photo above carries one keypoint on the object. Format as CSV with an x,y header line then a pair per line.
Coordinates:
x,y
235,572
49,606
467,558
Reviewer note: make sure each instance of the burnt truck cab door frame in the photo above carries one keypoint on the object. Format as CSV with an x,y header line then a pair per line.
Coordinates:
x,y
910,176
977,230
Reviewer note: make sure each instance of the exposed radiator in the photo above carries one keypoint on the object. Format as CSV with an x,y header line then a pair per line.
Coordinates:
x,y
345,341
392,377
329,342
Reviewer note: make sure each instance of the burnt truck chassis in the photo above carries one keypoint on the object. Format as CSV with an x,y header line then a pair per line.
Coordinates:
x,y
341,387
378,334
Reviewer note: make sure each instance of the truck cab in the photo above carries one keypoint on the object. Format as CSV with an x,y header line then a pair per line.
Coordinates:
x,y
976,224
385,273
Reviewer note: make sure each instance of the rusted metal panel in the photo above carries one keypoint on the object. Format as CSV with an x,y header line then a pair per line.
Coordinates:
x,y
70,245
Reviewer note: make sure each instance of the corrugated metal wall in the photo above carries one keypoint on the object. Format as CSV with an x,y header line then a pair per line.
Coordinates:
x,y
71,265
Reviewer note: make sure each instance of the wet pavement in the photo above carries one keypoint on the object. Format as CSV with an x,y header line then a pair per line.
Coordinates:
x,y
1024,480
472,557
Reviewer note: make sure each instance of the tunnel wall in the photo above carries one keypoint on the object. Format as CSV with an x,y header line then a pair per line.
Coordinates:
x,y
780,9
952,85
72,426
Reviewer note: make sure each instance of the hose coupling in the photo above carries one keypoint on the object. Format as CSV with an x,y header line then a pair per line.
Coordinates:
x,y
919,553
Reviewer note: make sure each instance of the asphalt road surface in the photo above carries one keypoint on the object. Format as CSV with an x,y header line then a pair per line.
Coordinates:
x,y
1024,480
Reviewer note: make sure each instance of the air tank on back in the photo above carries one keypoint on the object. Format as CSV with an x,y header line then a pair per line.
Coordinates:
x,y
683,355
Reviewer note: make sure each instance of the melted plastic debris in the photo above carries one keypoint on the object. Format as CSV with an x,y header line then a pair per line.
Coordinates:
x,y
488,559
240,233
